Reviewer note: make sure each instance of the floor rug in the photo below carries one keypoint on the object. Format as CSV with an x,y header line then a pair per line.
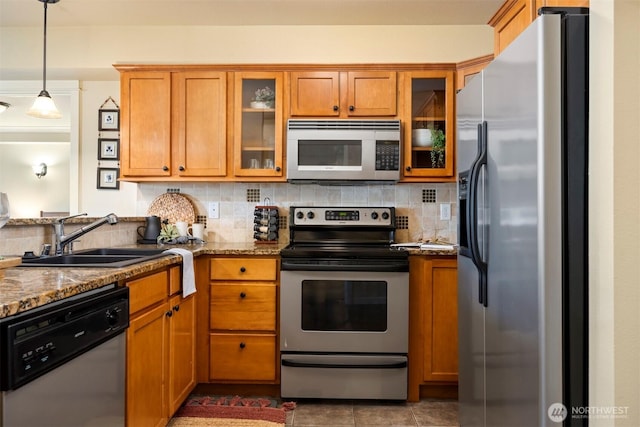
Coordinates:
x,y
230,411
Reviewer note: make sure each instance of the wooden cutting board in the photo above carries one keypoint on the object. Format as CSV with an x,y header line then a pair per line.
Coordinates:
x,y
8,263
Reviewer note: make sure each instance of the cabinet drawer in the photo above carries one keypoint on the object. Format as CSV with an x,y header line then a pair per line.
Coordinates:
x,y
147,291
243,269
242,357
243,306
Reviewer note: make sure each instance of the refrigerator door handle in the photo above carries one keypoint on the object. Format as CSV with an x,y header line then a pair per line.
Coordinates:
x,y
472,212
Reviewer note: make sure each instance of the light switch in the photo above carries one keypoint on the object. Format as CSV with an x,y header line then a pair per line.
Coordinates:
x,y
214,210
445,211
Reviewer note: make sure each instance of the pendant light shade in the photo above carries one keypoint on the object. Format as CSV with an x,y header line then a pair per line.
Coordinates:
x,y
44,107
4,106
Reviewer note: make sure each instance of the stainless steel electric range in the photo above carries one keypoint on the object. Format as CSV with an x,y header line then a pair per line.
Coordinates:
x,y
344,299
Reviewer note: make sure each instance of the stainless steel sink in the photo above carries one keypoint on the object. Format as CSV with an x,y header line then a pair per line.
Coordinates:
x,y
102,257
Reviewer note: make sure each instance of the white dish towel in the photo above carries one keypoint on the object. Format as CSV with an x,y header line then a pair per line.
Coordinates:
x,y
188,274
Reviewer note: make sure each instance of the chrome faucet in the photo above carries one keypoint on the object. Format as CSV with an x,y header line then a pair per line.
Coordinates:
x,y
62,240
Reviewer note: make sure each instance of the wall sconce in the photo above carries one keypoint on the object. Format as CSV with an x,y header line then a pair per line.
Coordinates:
x,y
40,170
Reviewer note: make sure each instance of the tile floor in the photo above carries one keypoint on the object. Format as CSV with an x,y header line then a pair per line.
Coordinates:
x,y
335,413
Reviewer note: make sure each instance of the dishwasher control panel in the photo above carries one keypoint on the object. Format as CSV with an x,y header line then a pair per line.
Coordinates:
x,y
37,342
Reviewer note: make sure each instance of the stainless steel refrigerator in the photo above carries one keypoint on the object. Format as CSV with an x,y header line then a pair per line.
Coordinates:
x,y
522,265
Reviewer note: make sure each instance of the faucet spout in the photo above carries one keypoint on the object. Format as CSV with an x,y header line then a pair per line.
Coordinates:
x,y
63,240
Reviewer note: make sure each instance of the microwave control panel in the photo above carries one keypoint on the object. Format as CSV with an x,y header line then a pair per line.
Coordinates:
x,y
387,155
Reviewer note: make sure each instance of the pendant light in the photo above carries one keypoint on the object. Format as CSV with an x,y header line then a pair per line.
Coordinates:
x,y
44,107
4,106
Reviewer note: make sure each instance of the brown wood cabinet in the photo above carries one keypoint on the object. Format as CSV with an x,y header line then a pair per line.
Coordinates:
x,y
173,124
428,105
343,94
160,348
242,322
466,70
433,327
516,15
257,128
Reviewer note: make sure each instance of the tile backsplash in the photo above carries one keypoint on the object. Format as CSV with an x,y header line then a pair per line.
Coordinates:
x,y
417,212
417,205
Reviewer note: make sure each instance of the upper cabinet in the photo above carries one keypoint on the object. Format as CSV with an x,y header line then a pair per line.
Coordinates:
x,y
257,129
145,127
199,123
173,124
515,15
466,70
428,125
343,94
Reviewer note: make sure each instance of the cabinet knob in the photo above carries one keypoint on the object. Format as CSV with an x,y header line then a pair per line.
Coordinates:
x,y
408,168
335,108
243,295
176,308
242,345
181,168
165,168
242,269
277,168
351,108
169,313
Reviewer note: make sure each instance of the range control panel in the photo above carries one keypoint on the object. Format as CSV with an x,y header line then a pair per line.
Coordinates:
x,y
332,216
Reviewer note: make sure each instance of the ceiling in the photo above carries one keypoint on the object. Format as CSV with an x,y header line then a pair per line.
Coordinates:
x,y
248,12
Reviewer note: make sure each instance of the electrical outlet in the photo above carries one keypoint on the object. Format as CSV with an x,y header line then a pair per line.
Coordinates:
x,y
445,211
214,210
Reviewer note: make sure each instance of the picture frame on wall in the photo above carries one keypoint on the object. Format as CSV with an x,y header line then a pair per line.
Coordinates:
x,y
108,179
108,120
108,149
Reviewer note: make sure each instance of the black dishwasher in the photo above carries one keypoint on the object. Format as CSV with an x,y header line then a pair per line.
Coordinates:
x,y
63,364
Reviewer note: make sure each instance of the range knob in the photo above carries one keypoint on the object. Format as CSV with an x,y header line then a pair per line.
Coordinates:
x,y
311,215
385,215
299,215
374,215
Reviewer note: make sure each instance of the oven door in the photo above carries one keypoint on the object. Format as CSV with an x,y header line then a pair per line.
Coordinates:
x,y
344,312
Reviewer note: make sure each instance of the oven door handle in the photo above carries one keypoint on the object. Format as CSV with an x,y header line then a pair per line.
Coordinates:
x,y
394,365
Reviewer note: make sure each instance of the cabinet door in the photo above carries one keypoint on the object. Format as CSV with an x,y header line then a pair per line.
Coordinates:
x,y
145,137
199,105
441,320
315,93
257,130
147,339
371,93
182,350
428,103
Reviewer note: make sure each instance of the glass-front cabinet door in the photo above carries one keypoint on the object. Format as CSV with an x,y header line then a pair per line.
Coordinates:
x,y
429,124
258,124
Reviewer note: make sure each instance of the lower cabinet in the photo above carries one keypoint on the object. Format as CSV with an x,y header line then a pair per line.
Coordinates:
x,y
242,320
433,327
160,348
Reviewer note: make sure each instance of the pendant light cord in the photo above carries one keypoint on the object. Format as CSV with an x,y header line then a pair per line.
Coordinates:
x,y
44,54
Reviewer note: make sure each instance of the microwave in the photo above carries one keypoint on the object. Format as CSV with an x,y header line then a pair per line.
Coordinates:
x,y
343,151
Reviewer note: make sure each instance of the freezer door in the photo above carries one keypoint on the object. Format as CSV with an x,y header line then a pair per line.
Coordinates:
x,y
470,311
523,317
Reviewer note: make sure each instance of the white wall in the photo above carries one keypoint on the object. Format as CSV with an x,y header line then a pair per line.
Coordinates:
x,y
87,53
614,292
99,202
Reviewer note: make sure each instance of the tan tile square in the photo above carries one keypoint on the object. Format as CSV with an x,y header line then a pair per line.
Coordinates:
x,y
383,414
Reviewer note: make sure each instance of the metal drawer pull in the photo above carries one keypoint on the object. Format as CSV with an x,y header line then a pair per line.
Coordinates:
x,y
243,295
242,269
395,365
242,345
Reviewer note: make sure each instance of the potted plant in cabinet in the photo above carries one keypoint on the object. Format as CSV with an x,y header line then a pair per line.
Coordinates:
x,y
437,148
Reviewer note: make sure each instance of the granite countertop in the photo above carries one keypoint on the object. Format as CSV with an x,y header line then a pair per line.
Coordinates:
x,y
24,288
